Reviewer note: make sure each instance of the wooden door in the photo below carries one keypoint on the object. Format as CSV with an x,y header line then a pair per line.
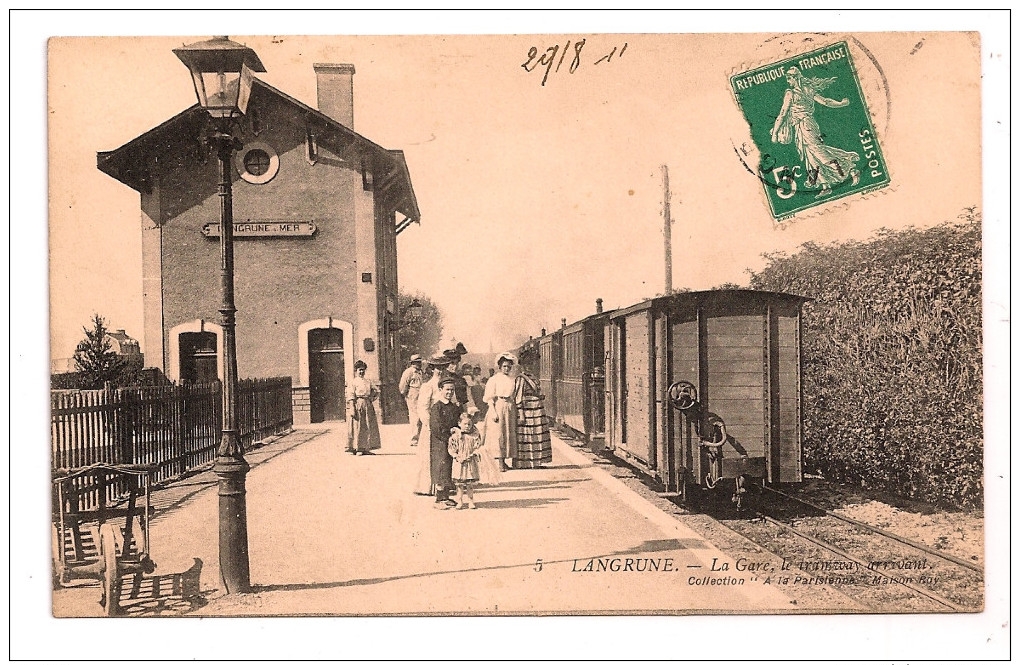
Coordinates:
x,y
639,409
326,382
198,357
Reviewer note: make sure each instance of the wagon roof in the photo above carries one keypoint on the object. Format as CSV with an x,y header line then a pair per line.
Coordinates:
x,y
712,294
591,317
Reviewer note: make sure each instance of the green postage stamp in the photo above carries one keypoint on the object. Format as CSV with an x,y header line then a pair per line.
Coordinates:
x,y
811,126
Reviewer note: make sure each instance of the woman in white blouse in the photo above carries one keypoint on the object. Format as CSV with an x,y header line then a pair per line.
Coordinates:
x,y
501,417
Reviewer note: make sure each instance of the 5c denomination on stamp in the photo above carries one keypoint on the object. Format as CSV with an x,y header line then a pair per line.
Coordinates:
x,y
812,129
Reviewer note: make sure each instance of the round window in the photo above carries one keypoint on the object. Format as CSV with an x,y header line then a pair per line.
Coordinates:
x,y
257,163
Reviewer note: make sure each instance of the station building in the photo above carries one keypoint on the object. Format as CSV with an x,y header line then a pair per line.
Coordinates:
x,y
317,210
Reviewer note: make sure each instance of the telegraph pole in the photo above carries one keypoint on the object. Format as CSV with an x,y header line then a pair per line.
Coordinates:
x,y
667,235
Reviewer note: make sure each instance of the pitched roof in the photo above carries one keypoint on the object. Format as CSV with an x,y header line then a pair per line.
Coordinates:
x,y
132,165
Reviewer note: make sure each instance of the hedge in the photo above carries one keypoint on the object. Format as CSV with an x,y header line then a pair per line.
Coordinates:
x,y
893,358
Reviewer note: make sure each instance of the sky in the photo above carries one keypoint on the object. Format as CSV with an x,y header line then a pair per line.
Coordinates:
x,y
527,190
540,198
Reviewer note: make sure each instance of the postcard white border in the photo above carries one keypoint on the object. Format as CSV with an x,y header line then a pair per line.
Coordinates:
x,y
34,634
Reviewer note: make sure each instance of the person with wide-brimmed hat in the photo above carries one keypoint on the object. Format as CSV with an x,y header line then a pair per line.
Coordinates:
x,y
462,393
362,426
427,396
410,387
501,417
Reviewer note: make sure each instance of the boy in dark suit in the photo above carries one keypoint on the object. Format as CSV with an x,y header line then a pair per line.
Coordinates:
x,y
443,417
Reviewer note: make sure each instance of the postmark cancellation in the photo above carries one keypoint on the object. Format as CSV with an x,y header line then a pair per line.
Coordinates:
x,y
812,137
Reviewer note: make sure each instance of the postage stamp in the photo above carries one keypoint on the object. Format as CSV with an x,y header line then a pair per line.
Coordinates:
x,y
810,123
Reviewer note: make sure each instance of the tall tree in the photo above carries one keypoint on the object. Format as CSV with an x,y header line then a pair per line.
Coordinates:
x,y
94,357
420,335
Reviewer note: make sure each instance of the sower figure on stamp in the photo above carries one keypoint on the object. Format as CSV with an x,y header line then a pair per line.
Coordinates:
x,y
825,164
410,387
443,417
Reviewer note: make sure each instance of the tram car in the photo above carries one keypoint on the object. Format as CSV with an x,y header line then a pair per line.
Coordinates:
x,y
705,387
580,383
527,356
550,366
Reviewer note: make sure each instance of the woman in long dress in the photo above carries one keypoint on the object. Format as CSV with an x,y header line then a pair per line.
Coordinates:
x,y
534,444
826,165
362,426
427,396
501,416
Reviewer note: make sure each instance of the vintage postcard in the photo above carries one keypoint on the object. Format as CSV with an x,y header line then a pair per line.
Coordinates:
x,y
517,325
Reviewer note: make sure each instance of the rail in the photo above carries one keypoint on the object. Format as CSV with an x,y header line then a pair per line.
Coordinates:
x,y
175,428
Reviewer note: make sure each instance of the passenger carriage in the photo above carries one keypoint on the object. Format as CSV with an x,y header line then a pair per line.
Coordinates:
x,y
580,385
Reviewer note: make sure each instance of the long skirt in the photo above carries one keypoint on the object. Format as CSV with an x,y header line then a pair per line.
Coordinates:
x,y
362,427
423,459
412,417
489,471
534,445
501,437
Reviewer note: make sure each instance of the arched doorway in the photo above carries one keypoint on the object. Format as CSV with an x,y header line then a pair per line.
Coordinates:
x,y
198,357
195,352
326,381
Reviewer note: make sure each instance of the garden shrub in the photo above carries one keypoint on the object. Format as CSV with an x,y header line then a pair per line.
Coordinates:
x,y
892,358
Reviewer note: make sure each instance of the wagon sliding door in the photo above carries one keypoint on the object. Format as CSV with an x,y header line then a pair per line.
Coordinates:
x,y
570,398
638,388
614,358
736,374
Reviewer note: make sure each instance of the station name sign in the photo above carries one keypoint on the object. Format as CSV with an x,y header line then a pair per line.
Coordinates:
x,y
263,229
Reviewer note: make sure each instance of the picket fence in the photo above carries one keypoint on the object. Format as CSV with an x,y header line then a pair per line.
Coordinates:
x,y
176,427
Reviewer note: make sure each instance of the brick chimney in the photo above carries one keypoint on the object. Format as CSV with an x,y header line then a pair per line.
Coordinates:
x,y
334,84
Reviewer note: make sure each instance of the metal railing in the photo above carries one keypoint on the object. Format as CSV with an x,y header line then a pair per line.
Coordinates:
x,y
176,427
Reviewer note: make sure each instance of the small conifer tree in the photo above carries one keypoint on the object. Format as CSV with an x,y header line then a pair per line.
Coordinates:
x,y
94,357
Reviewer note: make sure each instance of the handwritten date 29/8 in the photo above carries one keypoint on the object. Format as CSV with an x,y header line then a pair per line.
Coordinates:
x,y
554,56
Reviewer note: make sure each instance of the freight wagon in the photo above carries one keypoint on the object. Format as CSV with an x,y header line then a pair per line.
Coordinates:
x,y
706,386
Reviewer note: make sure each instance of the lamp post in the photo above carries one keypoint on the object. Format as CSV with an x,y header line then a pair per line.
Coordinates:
x,y
221,71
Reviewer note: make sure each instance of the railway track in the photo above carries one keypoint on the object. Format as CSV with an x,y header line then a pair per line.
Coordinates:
x,y
874,567
882,532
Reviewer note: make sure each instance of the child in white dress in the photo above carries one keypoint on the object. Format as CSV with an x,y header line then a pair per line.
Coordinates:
x,y
465,447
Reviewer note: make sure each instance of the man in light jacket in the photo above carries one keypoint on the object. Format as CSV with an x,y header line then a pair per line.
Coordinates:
x,y
410,387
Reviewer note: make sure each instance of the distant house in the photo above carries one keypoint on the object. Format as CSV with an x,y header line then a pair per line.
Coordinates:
x,y
124,345
121,343
62,365
317,208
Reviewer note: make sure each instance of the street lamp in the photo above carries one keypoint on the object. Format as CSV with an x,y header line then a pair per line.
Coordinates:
x,y
221,71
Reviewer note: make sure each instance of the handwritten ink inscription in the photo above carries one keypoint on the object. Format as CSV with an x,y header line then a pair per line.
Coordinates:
x,y
552,58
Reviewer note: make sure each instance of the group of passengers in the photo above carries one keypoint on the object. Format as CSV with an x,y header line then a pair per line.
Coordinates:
x,y
471,427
